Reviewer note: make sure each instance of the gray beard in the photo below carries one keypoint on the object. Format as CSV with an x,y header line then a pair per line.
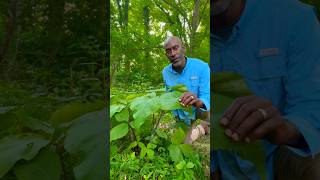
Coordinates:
x,y
220,7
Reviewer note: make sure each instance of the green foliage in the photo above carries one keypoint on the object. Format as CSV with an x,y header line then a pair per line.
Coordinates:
x,y
49,137
16,147
140,148
138,56
224,94
39,168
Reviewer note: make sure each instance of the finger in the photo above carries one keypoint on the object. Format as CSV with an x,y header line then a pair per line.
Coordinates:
x,y
192,102
185,96
188,101
230,112
262,131
247,109
182,98
247,126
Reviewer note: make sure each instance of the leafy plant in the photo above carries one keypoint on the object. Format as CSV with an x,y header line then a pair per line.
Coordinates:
x,y
155,152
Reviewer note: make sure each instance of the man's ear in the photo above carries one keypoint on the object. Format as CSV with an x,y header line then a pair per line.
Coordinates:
x,y
183,49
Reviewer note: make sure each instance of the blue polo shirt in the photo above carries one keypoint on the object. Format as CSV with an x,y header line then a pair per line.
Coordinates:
x,y
275,46
196,77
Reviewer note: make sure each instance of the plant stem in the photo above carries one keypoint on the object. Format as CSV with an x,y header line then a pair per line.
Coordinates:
x,y
157,124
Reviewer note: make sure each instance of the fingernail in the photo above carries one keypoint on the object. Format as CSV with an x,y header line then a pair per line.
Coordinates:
x,y
228,132
179,99
183,104
224,121
247,140
235,136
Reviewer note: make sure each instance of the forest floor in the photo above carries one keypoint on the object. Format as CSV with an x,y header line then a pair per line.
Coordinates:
x,y
202,145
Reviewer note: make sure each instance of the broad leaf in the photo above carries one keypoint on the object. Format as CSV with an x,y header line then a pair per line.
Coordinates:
x,y
186,149
45,166
115,108
175,153
16,147
86,141
179,87
143,107
178,136
161,134
74,110
119,131
169,101
122,116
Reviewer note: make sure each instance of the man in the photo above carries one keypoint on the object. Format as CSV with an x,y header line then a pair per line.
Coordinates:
x,y
195,75
274,45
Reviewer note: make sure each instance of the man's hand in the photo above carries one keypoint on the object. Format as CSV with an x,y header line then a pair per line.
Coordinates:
x,y
189,99
252,118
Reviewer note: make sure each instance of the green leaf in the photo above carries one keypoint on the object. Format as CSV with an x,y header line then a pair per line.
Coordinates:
x,y
150,153
175,153
179,87
122,116
119,131
187,150
181,165
223,98
141,145
85,141
74,110
16,147
178,136
45,166
115,108
143,107
151,146
169,101
143,151
132,145
190,165
161,134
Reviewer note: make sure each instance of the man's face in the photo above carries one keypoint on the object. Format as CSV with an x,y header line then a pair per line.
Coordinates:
x,y
219,6
175,52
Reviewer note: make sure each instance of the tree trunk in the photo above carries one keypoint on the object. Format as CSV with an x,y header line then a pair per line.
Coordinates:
x,y
10,28
194,24
55,28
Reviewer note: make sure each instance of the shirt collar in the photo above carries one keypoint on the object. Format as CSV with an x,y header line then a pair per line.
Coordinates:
x,y
247,12
184,69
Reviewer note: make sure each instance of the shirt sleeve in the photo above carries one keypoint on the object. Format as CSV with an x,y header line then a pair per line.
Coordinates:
x,y
303,80
204,89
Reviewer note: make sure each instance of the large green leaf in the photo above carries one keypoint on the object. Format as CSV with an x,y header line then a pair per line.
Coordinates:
x,y
74,110
226,84
186,150
115,108
45,166
179,88
169,101
175,153
86,140
119,131
143,107
122,116
16,147
178,136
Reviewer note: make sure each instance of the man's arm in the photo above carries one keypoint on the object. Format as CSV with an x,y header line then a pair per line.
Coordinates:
x,y
303,82
203,100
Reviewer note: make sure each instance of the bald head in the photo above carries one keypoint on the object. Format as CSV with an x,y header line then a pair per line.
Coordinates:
x,y
172,38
